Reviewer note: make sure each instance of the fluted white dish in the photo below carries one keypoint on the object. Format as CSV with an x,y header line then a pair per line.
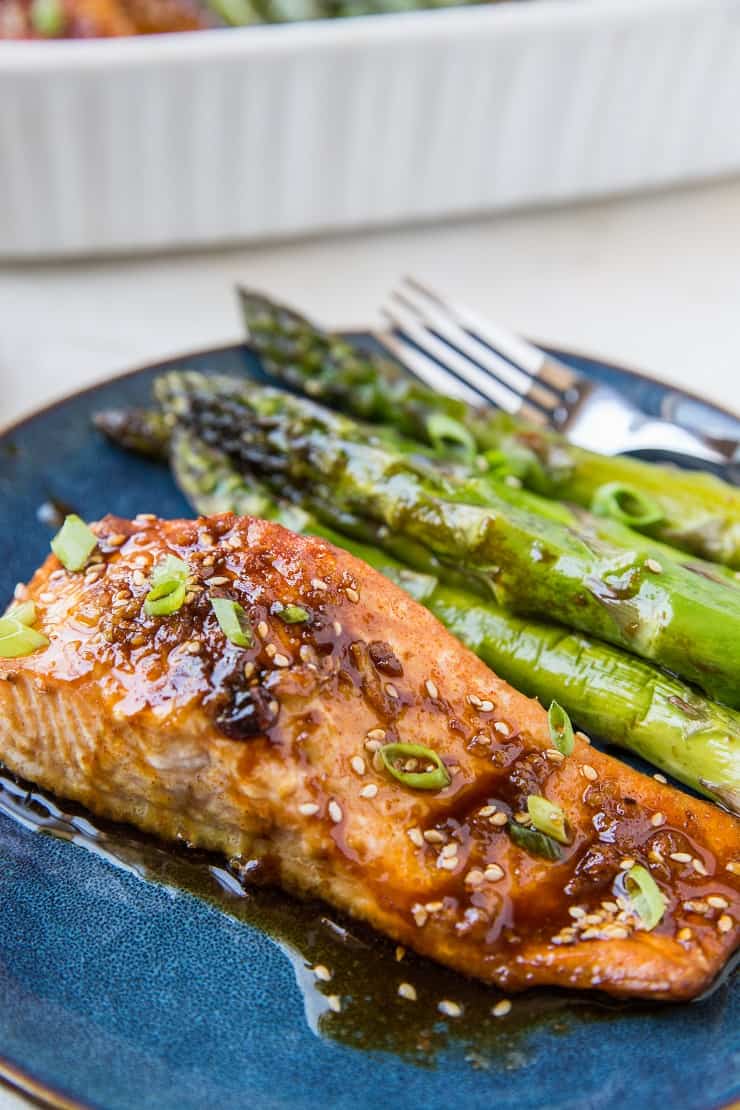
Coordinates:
x,y
220,136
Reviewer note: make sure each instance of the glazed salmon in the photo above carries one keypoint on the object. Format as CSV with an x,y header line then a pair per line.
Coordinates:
x,y
273,754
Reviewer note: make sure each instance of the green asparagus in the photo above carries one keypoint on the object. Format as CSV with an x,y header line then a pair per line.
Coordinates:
x,y
606,691
692,510
531,565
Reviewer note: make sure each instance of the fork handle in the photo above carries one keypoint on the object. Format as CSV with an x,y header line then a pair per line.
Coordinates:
x,y
659,435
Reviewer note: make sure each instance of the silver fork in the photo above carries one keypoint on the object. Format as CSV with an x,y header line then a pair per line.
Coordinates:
x,y
457,352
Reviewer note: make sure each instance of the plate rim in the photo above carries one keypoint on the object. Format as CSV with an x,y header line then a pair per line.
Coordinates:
x,y
352,333
16,1078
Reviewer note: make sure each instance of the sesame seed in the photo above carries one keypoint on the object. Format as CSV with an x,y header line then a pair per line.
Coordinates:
x,y
281,660
319,584
474,877
308,809
475,701
270,651
502,1008
493,873
249,669
262,629
725,923
696,906
589,772
369,791
449,850
448,864
193,647
615,932
48,598
733,867
434,907
306,653
653,565
376,734
116,539
699,867
337,628
208,560
146,518
400,953
273,705
378,764
405,990
554,755
419,915
522,818
502,728
352,594
357,763
576,912
373,745
593,919
391,690
610,907
717,902
434,836
217,580
486,706
138,578
431,688
684,934
415,836
322,972
660,778
487,811
680,857
627,863
335,1003
450,1009
657,820
335,811
499,819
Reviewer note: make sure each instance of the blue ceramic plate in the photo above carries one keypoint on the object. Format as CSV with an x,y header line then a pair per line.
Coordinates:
x,y
132,976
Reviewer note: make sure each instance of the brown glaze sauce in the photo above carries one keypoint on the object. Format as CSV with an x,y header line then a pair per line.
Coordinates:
x,y
365,969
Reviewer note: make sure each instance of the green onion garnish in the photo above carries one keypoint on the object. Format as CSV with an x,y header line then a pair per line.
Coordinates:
x,y
534,841
233,620
547,817
47,18
74,543
643,891
293,614
561,730
24,611
447,434
627,504
17,639
168,587
396,756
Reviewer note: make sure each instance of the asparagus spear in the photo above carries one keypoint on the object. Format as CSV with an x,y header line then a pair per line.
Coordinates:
x,y
688,509
606,691
531,565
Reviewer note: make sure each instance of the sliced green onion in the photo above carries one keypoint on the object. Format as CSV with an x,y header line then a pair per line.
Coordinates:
x,y
293,614
17,639
645,896
561,730
47,18
24,612
168,587
446,433
74,543
547,817
233,620
534,841
627,504
436,778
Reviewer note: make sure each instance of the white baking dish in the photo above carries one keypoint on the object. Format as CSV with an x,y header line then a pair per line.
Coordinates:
x,y
207,137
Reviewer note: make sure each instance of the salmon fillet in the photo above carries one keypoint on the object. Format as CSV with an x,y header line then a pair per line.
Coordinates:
x,y
269,754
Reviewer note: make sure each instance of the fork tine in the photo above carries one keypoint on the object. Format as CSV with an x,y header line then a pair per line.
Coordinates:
x,y
446,327
431,373
456,365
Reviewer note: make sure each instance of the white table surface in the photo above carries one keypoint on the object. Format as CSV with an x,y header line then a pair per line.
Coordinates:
x,y
652,282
